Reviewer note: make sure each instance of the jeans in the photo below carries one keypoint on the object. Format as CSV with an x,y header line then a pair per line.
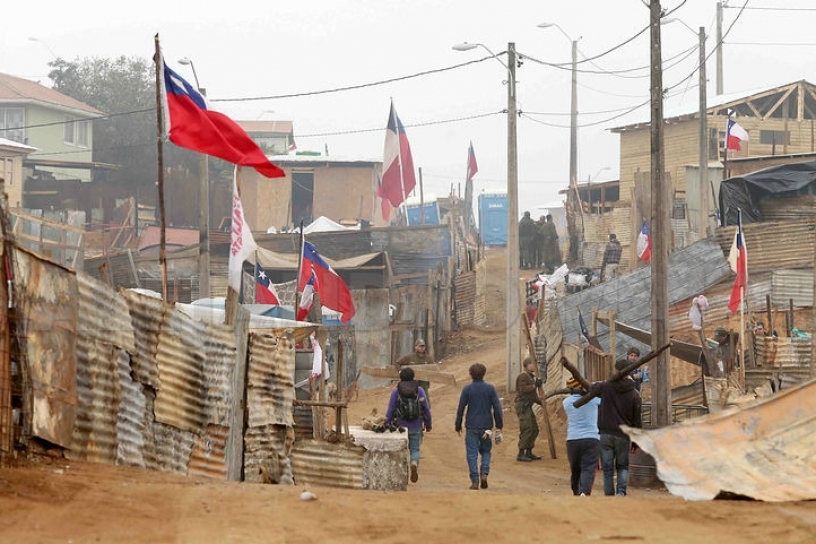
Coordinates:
x,y
583,461
414,442
615,458
474,445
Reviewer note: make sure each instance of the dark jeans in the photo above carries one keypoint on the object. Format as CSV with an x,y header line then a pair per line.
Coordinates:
x,y
615,458
528,426
475,445
583,460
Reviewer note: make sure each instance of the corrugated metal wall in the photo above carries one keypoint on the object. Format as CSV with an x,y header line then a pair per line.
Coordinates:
x,y
153,387
469,293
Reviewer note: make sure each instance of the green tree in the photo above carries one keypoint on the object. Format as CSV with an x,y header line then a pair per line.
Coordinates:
x,y
125,89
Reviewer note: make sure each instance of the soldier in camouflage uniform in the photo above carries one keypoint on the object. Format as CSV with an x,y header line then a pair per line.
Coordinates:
x,y
527,395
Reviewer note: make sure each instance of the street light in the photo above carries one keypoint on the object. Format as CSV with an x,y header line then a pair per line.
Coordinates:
x,y
573,116
34,39
704,228
513,304
203,207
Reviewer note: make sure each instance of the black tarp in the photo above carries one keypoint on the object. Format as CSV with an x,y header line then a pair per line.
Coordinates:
x,y
745,192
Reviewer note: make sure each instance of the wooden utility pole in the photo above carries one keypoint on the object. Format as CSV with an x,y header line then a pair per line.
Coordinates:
x,y
703,171
661,401
513,342
719,49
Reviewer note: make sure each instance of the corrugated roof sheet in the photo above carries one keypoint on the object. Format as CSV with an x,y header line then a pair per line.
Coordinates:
x,y
764,450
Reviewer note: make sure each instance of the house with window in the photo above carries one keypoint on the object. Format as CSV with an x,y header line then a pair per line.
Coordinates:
x,y
342,189
58,126
274,137
781,126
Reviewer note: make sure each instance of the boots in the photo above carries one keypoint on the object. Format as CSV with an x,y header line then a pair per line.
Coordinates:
x,y
522,456
532,456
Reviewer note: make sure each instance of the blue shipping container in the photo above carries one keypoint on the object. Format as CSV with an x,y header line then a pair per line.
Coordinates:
x,y
431,213
493,219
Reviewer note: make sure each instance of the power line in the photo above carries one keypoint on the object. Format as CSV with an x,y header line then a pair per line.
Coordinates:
x,y
361,85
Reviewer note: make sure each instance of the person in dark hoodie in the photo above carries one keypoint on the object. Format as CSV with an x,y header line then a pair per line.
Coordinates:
x,y
620,405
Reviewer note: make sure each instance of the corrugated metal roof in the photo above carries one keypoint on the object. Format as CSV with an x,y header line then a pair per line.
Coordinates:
x,y
764,450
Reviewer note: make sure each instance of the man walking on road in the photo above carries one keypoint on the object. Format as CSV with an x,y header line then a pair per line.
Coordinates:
x,y
481,401
526,396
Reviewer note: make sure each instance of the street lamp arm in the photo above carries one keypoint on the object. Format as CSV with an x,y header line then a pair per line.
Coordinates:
x,y
465,46
186,61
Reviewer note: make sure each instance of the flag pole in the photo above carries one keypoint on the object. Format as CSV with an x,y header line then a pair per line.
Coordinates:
x,y
299,270
159,62
743,302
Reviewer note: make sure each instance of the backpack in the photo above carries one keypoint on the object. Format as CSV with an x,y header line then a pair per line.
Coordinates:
x,y
408,402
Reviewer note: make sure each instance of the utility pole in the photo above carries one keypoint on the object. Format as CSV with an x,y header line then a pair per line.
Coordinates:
x,y
704,228
719,49
513,306
574,120
661,401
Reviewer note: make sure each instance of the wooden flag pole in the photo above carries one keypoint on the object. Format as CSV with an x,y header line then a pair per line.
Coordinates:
x,y
531,349
159,61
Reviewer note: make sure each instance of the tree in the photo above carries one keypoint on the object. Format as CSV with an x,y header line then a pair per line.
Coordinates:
x,y
125,89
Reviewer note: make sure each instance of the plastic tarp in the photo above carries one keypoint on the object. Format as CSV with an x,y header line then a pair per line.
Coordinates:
x,y
324,224
745,192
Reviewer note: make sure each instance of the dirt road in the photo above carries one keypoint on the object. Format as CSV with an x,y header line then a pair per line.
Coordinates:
x,y
69,502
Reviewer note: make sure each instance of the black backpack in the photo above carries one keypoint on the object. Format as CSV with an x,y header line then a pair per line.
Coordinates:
x,y
408,402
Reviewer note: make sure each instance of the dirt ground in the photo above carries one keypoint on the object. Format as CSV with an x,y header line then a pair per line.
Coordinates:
x,y
68,502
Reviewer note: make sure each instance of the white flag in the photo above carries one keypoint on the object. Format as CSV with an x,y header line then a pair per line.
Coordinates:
x,y
242,244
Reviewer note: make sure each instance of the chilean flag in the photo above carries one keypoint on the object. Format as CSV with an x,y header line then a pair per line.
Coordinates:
x,y
738,259
644,243
265,292
472,167
189,122
734,135
385,207
307,296
334,293
398,179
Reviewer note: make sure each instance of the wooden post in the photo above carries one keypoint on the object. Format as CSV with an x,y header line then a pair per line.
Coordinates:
x,y
769,325
531,349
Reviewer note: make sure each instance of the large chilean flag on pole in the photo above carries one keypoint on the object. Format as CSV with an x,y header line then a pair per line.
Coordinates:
x,y
398,178
189,122
334,293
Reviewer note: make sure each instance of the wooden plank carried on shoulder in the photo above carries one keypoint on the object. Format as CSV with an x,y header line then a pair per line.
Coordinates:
x,y
430,373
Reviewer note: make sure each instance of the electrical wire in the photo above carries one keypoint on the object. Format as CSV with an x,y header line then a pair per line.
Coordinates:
x,y
361,85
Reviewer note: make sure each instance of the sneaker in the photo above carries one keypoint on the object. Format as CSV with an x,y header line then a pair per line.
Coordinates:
x,y
474,485
483,481
414,473
582,495
621,494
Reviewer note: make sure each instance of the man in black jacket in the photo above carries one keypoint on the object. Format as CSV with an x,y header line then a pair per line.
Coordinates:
x,y
620,404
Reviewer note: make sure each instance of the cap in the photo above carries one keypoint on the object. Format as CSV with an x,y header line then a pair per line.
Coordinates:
x,y
572,383
720,332
419,342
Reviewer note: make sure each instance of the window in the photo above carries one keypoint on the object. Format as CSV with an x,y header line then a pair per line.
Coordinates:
x,y
774,137
68,129
76,131
12,121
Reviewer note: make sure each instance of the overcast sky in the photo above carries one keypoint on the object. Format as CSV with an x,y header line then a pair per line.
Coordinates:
x,y
266,48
